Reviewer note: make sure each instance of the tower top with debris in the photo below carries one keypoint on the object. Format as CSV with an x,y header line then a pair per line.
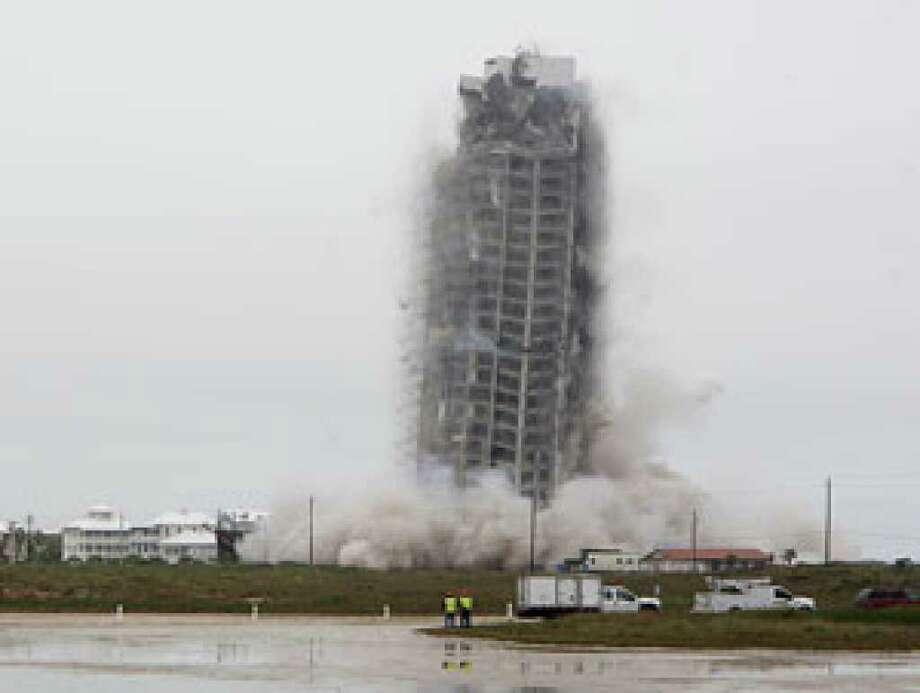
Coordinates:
x,y
510,281
526,68
529,100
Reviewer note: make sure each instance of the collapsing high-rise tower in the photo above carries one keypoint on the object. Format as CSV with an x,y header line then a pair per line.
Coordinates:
x,y
510,284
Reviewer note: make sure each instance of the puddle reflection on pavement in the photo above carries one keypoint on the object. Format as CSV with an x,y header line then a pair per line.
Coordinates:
x,y
204,653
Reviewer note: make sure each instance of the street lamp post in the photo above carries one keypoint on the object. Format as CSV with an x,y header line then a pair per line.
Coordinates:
x,y
533,526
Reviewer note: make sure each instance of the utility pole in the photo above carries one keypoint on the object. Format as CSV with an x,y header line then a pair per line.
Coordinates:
x,y
219,538
268,538
533,525
11,543
693,541
311,529
827,525
29,521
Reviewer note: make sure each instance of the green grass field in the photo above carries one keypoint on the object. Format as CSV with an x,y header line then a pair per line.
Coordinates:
x,y
297,589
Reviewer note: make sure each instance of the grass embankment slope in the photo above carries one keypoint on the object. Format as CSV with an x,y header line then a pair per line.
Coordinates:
x,y
305,589
290,589
214,589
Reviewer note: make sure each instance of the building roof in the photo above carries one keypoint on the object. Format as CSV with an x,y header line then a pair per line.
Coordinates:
x,y
545,70
243,514
709,554
100,518
612,550
190,539
182,518
93,524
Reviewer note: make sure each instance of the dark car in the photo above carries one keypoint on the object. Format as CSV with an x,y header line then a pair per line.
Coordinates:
x,y
874,598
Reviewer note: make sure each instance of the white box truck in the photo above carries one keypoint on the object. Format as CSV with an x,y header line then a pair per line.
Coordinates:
x,y
741,595
551,595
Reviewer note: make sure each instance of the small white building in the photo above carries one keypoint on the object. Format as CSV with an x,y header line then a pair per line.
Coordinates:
x,y
200,547
174,536
615,559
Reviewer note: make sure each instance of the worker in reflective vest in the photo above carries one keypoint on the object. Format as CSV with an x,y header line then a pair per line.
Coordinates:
x,y
450,609
466,609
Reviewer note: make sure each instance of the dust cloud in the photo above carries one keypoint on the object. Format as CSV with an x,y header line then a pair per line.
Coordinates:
x,y
627,496
396,519
619,490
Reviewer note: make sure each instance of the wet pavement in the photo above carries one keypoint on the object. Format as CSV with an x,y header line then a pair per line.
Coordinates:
x,y
181,654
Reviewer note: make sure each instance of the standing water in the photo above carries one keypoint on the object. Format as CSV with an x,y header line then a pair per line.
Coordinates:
x,y
182,654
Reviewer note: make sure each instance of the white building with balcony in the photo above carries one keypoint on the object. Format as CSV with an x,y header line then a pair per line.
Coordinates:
x,y
104,534
176,536
200,547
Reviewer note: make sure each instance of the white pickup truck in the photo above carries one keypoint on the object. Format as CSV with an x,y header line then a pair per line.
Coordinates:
x,y
742,595
552,595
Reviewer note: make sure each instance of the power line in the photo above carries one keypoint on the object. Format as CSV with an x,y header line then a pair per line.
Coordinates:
x,y
875,484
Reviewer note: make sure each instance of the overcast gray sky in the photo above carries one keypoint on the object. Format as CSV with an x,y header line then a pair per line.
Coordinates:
x,y
203,208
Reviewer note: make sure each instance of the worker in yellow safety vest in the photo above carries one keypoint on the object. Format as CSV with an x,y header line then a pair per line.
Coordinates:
x,y
466,609
449,606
